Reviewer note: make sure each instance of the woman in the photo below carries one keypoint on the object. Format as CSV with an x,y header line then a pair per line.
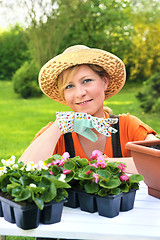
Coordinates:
x,y
83,78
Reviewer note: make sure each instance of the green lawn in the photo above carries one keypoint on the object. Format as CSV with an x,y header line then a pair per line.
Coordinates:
x,y
20,119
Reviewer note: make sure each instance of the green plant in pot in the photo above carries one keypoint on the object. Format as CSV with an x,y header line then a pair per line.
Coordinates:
x,y
29,185
96,177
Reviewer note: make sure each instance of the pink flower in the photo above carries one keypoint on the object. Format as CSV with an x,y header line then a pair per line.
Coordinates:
x,y
122,167
51,173
95,175
66,171
101,162
93,165
88,172
124,178
65,155
95,154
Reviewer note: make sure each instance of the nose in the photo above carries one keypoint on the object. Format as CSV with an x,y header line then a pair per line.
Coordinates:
x,y
80,91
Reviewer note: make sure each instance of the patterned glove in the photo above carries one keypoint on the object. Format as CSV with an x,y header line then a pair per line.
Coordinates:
x,y
82,123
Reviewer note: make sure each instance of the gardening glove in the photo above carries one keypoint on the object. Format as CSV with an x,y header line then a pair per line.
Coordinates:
x,y
82,123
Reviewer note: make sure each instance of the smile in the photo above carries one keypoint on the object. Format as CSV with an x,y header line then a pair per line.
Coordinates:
x,y
82,103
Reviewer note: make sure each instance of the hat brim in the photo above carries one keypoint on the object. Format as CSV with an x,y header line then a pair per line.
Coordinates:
x,y
110,63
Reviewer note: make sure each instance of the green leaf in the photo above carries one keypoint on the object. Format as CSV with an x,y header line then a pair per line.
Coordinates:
x,y
136,178
110,183
115,191
69,176
124,187
25,194
39,202
102,192
91,187
70,165
55,169
104,173
50,193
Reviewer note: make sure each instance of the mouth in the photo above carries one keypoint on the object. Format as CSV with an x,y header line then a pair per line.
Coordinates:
x,y
84,102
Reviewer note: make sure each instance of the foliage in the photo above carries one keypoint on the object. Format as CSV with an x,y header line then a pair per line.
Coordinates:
x,y
100,24
143,57
149,96
97,176
26,183
13,51
25,80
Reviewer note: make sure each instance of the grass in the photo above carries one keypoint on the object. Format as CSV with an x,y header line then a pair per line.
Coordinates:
x,y
21,119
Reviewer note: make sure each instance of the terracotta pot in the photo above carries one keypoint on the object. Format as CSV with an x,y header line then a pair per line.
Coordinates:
x,y
147,161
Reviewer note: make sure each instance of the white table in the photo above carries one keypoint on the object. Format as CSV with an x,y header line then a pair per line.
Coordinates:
x,y
142,222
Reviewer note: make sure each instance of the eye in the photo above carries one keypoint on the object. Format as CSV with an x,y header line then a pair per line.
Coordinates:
x,y
87,80
69,86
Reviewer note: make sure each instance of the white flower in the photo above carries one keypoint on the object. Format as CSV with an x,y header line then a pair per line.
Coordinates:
x,y
62,178
9,162
31,166
2,170
42,165
33,185
15,166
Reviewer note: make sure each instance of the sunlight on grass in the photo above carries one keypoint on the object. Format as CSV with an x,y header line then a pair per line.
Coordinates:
x,y
118,103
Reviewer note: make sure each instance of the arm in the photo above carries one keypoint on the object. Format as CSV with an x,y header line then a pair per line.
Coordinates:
x,y
131,168
150,137
43,146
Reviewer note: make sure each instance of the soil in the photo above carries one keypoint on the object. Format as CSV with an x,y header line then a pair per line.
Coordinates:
x,y
155,146
11,199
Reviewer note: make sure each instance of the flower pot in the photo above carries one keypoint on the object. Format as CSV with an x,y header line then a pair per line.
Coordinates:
x,y
1,212
109,206
52,212
72,200
87,202
147,162
25,217
127,200
29,216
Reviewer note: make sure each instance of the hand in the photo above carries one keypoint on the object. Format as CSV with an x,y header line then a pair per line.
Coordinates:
x,y
82,123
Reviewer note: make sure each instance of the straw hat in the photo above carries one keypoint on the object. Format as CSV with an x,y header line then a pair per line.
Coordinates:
x,y
76,55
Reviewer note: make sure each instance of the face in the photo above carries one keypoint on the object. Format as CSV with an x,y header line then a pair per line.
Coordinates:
x,y
85,91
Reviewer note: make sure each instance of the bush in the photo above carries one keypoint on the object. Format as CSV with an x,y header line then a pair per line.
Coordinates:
x,y
149,96
25,80
13,51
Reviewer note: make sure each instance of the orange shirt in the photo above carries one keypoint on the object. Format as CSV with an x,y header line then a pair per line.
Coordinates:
x,y
130,129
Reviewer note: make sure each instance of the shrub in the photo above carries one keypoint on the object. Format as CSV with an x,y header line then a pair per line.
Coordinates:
x,y
149,96
25,80
13,51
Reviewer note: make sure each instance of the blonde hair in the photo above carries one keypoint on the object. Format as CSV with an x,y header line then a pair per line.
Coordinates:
x,y
62,83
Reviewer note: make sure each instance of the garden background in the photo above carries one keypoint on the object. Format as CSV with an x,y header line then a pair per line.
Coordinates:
x,y
41,29
127,28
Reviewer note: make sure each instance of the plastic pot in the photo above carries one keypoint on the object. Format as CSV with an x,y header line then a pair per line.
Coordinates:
x,y
127,200
29,217
109,206
72,200
87,202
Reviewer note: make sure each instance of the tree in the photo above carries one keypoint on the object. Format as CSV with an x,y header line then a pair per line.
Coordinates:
x,y
143,59
13,51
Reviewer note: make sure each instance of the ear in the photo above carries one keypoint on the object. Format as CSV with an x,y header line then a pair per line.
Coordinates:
x,y
106,82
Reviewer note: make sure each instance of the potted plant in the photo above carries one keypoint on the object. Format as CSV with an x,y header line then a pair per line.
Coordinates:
x,y
24,189
95,181
146,156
